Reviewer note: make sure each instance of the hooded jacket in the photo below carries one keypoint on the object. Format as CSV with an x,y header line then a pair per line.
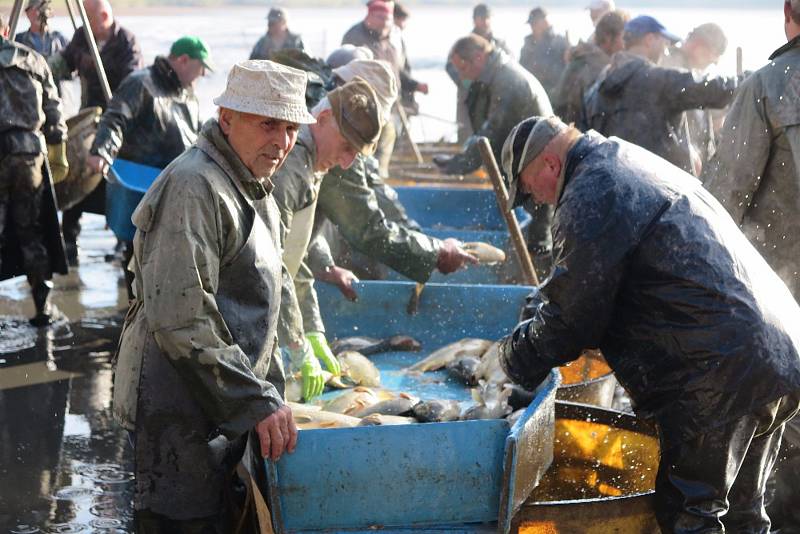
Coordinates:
x,y
587,61
645,104
650,269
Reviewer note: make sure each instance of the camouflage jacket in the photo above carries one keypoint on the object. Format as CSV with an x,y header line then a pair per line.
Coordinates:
x,y
645,104
264,47
151,120
351,204
29,103
755,172
503,95
545,59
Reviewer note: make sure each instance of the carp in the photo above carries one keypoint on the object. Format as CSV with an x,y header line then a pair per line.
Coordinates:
x,y
489,370
443,356
308,417
368,346
485,253
402,405
491,402
377,419
359,369
437,411
355,399
463,369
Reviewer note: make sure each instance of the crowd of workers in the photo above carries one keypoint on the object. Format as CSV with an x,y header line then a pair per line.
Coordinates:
x,y
603,143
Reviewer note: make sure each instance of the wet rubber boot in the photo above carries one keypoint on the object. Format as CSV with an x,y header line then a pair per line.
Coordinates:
x,y
71,250
40,292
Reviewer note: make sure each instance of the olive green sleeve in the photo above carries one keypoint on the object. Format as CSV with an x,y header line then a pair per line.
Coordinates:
x,y
351,205
308,301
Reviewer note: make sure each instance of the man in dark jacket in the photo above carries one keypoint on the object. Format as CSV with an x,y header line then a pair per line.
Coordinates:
x,y
544,52
640,102
278,36
154,115
755,174
121,55
39,36
501,94
31,128
587,61
699,330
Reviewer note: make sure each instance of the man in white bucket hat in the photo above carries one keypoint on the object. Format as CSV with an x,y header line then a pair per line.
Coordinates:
x,y
198,373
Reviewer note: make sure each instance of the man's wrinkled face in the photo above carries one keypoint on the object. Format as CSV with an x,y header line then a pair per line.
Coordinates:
x,y
540,178
483,24
332,148
262,143
379,22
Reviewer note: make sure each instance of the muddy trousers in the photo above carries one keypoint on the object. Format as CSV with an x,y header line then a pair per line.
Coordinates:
x,y
716,482
20,208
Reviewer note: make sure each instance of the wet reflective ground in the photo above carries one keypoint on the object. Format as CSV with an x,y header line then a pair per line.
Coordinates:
x,y
65,466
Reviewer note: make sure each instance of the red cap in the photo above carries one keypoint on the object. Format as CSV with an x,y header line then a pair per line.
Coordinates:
x,y
378,7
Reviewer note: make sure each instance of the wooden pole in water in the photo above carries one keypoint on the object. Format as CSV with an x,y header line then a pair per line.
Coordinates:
x,y
500,192
739,67
98,62
401,112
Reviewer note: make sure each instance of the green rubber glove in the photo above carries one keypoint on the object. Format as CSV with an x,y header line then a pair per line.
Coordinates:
x,y
313,382
324,352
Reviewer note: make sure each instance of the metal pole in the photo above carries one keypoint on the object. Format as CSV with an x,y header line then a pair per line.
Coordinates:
x,y
72,15
12,22
98,62
500,192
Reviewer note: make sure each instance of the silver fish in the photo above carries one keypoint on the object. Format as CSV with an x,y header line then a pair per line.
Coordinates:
x,y
351,401
490,369
491,402
443,356
463,369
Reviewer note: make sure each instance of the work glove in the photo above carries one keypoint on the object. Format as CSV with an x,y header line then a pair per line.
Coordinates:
x,y
313,382
322,351
57,157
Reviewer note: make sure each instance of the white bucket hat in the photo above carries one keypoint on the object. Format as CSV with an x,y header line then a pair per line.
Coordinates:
x,y
268,89
378,74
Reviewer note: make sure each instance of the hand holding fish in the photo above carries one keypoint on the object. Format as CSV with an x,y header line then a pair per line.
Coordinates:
x,y
452,257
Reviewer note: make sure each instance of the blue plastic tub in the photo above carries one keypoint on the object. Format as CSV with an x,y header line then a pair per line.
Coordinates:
x,y
468,476
127,184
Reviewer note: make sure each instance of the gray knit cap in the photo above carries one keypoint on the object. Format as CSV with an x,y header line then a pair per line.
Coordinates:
x,y
525,142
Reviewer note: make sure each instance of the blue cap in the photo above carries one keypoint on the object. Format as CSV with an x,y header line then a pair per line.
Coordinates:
x,y
645,24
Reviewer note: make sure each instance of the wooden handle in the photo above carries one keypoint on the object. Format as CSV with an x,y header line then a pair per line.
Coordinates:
x,y
16,9
511,220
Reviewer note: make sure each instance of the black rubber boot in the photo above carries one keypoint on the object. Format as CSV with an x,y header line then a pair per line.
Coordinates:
x,y
71,250
40,292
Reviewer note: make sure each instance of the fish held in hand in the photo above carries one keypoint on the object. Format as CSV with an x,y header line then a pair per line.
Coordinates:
x,y
359,369
484,252
439,359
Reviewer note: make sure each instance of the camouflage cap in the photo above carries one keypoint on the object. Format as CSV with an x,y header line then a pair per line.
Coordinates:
x,y
380,77
358,114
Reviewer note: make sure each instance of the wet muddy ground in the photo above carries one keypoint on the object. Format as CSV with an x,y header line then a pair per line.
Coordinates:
x,y
65,465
